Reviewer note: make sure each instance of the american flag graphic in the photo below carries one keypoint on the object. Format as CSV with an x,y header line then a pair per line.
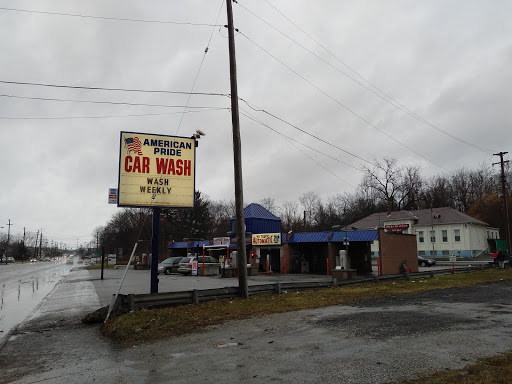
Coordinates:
x,y
133,144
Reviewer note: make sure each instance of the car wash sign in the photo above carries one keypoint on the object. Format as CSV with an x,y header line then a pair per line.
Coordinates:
x,y
156,171
266,239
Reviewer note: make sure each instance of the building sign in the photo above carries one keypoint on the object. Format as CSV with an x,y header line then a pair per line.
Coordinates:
x,y
156,171
266,239
194,267
112,195
221,241
396,227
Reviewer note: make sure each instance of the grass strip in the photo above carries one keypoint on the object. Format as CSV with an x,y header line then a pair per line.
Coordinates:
x,y
157,324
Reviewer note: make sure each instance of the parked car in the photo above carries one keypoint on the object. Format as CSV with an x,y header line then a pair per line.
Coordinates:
x,y
210,263
169,265
422,262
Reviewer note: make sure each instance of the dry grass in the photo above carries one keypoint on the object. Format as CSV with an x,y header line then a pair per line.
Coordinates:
x,y
492,370
158,324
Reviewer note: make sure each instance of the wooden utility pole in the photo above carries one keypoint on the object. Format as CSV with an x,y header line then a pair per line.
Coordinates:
x,y
241,259
504,193
8,238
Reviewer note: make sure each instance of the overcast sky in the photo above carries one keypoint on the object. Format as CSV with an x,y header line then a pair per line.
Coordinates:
x,y
446,62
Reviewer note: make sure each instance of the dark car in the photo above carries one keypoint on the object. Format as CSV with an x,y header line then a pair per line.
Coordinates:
x,y
422,262
169,265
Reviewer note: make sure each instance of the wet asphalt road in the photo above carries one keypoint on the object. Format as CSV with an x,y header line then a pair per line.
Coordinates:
x,y
375,341
23,286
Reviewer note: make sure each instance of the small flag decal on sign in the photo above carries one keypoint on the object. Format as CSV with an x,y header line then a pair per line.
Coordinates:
x,y
133,144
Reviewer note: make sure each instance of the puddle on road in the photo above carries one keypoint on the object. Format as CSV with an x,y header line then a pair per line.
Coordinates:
x,y
19,297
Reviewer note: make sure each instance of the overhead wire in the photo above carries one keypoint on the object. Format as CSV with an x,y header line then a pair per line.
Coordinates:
x,y
291,140
383,95
340,103
109,116
200,66
100,102
256,109
96,88
108,18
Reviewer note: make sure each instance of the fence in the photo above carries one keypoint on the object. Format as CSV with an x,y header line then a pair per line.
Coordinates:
x,y
133,302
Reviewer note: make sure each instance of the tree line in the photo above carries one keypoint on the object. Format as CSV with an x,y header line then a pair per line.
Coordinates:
x,y
386,186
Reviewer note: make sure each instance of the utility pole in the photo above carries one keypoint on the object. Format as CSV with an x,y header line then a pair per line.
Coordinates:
x,y
40,243
8,238
23,248
241,259
504,193
35,246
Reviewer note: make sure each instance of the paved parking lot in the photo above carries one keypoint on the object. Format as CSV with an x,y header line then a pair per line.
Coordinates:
x,y
138,281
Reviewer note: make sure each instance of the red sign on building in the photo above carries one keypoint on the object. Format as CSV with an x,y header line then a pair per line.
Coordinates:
x,y
396,227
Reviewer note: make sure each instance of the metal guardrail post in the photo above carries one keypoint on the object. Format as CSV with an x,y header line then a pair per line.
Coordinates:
x,y
277,288
195,296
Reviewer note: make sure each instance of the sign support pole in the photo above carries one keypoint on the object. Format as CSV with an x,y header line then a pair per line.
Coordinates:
x,y
154,251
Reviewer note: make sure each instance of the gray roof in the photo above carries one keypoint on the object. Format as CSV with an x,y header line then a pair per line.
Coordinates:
x,y
443,215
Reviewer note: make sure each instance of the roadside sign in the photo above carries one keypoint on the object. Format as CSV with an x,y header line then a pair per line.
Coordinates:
x,y
453,258
194,268
156,171
112,195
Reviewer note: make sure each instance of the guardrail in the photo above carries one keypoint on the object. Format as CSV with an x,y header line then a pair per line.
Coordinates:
x,y
133,302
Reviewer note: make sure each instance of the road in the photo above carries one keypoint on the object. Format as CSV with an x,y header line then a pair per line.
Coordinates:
x,y
23,287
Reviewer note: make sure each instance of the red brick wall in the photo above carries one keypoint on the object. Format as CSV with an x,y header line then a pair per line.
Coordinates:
x,y
286,254
394,248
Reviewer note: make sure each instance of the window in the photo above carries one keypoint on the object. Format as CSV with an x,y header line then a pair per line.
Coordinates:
x,y
421,253
421,237
444,234
432,236
446,253
456,233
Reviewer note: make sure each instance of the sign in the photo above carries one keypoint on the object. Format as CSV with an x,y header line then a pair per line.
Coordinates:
x,y
156,171
221,241
396,227
112,195
453,258
194,268
266,239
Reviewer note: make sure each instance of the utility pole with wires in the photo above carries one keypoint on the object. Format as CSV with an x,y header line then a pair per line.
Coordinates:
x,y
8,238
241,259
504,192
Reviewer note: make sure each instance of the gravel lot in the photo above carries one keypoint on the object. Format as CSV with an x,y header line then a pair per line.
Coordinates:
x,y
375,341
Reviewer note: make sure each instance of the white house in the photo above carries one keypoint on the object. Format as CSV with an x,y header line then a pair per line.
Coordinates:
x,y
439,231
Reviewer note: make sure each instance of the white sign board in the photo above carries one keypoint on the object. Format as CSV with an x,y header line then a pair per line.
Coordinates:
x,y
112,195
194,268
221,241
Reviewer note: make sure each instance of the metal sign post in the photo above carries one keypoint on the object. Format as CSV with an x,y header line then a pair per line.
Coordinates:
x,y
154,251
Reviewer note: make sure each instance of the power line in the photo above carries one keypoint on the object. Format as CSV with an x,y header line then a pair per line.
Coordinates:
x,y
100,102
307,133
291,140
109,18
50,85
340,103
199,69
383,95
108,116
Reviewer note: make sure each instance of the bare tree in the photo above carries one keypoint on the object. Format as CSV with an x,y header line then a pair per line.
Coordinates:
x,y
310,201
269,204
290,218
